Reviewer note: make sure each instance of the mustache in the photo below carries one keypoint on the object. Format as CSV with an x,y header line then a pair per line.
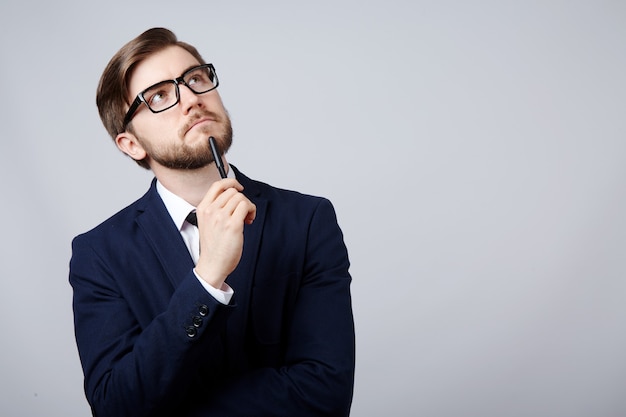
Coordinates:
x,y
201,114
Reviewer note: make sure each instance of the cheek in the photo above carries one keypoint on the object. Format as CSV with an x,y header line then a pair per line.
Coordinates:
x,y
214,103
155,126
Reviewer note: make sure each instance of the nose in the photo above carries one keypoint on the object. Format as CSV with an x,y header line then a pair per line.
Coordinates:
x,y
188,99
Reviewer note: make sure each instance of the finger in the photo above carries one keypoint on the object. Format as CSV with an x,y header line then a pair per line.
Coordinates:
x,y
234,201
251,216
227,183
218,187
246,211
224,199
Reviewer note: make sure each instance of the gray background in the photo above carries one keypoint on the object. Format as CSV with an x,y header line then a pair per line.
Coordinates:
x,y
473,150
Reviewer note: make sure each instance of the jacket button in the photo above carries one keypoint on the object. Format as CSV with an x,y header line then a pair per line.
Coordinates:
x,y
191,331
203,310
197,321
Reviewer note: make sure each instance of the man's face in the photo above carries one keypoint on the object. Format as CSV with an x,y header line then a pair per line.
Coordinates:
x,y
177,138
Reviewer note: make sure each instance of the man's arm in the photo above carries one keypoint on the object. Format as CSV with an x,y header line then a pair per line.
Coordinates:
x,y
131,367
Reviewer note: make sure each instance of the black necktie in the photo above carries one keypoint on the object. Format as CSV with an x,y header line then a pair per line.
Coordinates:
x,y
192,218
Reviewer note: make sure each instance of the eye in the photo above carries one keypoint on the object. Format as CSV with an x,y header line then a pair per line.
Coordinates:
x,y
160,96
200,79
157,97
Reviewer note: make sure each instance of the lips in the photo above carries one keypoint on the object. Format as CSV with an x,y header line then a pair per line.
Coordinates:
x,y
197,122
197,119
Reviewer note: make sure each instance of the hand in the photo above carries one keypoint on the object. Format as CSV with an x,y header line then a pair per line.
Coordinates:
x,y
222,214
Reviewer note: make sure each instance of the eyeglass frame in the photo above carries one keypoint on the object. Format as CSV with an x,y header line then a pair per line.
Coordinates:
x,y
176,81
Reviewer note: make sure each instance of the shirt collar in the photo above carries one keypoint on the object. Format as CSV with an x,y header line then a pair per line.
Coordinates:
x,y
177,207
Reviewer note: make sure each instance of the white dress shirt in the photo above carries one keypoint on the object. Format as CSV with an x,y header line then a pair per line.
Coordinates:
x,y
178,210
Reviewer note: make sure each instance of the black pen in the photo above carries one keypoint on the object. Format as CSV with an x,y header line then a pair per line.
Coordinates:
x,y
216,156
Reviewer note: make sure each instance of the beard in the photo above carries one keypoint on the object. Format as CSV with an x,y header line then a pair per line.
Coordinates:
x,y
183,156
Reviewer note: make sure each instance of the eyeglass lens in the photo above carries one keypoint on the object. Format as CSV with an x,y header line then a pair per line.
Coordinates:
x,y
164,95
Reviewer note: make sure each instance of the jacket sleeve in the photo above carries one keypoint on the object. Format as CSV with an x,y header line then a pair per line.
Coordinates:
x,y
318,374
133,368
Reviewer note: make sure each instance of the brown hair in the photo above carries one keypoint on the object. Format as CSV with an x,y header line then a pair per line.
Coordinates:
x,y
112,94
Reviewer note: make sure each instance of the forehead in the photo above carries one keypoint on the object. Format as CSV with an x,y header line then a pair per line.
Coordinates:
x,y
166,64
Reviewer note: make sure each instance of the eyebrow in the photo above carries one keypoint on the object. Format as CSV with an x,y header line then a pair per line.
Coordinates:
x,y
162,81
190,67
181,74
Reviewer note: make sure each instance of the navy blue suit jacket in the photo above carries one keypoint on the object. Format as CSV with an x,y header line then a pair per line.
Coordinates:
x,y
153,342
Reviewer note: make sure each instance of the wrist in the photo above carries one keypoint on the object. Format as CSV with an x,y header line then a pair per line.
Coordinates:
x,y
210,277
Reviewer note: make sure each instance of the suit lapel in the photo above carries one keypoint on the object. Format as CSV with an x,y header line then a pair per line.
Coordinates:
x,y
242,278
164,238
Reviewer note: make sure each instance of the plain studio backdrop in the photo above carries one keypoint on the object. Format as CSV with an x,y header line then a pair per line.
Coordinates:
x,y
474,151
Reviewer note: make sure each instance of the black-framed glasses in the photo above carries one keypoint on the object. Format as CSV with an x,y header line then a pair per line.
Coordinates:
x,y
166,94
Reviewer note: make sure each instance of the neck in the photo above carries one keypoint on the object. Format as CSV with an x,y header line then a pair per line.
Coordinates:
x,y
190,185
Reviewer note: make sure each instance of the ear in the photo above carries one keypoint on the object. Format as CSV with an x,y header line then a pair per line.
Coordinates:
x,y
128,143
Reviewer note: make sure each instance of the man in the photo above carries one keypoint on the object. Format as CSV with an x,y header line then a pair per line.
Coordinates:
x,y
246,314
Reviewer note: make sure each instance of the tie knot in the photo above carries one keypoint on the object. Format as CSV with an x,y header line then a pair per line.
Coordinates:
x,y
192,218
